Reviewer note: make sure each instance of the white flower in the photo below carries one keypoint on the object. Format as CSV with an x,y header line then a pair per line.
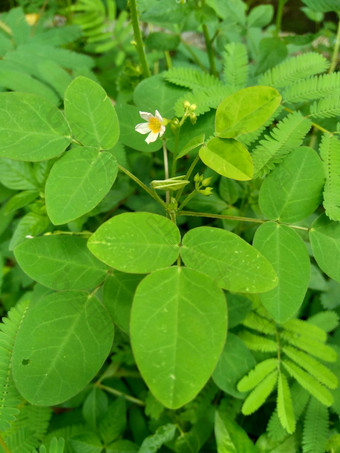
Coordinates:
x,y
154,127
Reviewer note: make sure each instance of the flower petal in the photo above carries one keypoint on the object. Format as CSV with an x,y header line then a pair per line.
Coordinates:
x,y
158,116
152,137
145,115
142,128
162,130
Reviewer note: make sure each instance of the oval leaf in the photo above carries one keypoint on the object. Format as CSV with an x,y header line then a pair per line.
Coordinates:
x,y
294,189
325,240
137,242
40,132
78,182
73,336
228,158
60,262
245,111
287,253
90,113
178,329
227,258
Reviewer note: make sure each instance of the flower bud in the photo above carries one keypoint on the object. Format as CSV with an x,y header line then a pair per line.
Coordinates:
x,y
186,104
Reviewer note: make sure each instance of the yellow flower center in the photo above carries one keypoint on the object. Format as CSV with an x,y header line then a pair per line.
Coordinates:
x,y
155,125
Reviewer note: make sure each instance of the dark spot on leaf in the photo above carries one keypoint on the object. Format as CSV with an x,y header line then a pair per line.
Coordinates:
x,y
25,361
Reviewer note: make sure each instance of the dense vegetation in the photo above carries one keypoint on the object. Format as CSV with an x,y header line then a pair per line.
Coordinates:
x,y
169,226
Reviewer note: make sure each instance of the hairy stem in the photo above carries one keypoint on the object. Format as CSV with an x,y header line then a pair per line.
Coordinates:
x,y
152,194
188,174
138,39
187,199
210,50
335,56
279,16
166,170
119,393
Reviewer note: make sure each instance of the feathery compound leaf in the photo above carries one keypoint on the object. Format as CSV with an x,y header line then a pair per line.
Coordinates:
x,y
315,429
330,155
314,367
326,320
320,350
287,135
191,78
293,69
257,322
313,88
235,66
309,383
323,5
259,395
305,329
256,375
325,108
284,404
257,343
9,396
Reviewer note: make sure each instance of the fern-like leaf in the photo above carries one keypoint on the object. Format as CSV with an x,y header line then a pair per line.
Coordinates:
x,y
305,329
56,446
257,322
323,6
287,135
330,155
257,343
294,69
205,99
313,88
191,78
314,367
326,108
300,398
309,383
326,320
316,348
9,396
251,137
316,428
260,393
256,375
284,405
235,66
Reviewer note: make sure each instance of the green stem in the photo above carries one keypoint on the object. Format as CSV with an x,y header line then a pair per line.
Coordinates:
x,y
138,38
279,16
187,199
210,50
335,55
4,446
119,393
194,56
166,170
168,59
152,194
232,217
188,174
317,126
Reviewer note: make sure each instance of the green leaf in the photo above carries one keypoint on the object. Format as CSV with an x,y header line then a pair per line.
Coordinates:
x,y
60,262
190,145
39,133
236,68
235,361
245,111
257,342
316,428
326,320
153,443
309,383
113,422
287,253
224,256
256,376
31,224
260,16
87,442
119,289
136,242
284,405
294,189
95,405
325,240
122,446
90,113
72,338
162,41
329,152
178,329
78,182
259,395
20,200
228,158
129,117
17,175
271,52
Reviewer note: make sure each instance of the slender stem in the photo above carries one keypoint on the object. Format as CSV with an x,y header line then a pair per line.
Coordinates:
x,y
138,38
232,217
5,28
335,55
119,393
317,126
194,56
188,174
152,194
210,50
166,170
279,16
187,199
4,446
168,59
